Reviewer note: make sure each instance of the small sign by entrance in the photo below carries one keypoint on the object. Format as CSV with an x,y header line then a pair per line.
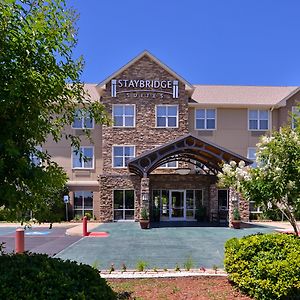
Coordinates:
x,y
66,199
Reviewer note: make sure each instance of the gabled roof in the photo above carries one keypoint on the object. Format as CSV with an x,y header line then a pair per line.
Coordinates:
x,y
242,96
188,86
188,148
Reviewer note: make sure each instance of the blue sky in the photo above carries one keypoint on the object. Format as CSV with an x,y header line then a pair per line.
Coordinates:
x,y
239,42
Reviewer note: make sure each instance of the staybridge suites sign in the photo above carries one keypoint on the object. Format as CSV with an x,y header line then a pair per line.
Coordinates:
x,y
144,88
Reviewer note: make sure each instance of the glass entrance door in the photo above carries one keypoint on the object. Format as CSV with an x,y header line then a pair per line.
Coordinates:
x,y
177,204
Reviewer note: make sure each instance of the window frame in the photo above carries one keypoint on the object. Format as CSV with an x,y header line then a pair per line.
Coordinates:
x,y
83,203
82,122
166,167
222,207
82,165
156,116
254,165
205,119
258,119
295,111
124,209
112,154
123,116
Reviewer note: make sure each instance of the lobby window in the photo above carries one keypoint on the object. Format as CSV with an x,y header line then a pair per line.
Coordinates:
x,y
121,155
295,113
124,115
258,119
83,159
205,119
166,116
83,203
123,204
82,120
251,154
223,196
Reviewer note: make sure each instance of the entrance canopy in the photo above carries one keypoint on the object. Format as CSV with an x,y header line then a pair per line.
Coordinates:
x,y
187,148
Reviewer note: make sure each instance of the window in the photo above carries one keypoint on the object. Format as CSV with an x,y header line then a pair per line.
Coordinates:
x,y
253,208
83,203
121,155
84,158
252,155
205,119
123,204
82,120
296,113
124,115
258,119
35,159
170,165
166,116
223,199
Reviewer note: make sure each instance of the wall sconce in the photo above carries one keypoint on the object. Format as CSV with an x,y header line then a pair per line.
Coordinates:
x,y
145,196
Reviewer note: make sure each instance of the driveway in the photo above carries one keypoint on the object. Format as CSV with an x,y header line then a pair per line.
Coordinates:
x,y
160,247
39,239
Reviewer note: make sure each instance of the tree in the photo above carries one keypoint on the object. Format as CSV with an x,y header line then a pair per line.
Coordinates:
x,y
275,181
40,89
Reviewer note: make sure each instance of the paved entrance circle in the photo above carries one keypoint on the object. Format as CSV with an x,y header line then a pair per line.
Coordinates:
x,y
161,247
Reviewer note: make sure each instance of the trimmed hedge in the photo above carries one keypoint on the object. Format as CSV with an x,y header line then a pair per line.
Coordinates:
x,y
37,276
265,266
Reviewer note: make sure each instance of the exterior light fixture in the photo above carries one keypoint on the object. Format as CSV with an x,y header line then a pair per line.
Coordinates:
x,y
145,196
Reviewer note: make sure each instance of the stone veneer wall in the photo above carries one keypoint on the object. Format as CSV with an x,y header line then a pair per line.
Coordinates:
x,y
144,136
237,201
111,183
185,182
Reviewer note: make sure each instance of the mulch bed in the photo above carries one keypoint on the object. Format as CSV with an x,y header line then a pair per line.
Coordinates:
x,y
186,288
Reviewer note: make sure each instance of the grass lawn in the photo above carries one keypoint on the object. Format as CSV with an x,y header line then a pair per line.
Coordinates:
x,y
189,288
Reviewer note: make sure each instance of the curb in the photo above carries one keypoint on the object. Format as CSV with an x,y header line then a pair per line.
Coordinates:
x,y
160,274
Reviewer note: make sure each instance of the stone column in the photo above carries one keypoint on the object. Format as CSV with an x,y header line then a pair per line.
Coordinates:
x,y
145,194
237,201
244,209
214,205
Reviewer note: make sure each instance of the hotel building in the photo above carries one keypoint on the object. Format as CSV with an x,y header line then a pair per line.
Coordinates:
x,y
166,144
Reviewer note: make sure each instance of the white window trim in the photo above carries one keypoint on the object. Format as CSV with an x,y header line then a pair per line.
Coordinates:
x,y
170,168
83,168
134,115
295,111
258,129
205,120
82,124
113,204
177,116
112,155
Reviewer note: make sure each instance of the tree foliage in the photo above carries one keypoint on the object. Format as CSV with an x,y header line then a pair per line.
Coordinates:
x,y
40,88
275,181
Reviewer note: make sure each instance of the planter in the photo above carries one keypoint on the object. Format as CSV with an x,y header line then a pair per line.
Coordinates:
x,y
236,224
144,224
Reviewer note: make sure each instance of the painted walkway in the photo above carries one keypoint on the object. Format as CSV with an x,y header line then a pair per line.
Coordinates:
x,y
161,247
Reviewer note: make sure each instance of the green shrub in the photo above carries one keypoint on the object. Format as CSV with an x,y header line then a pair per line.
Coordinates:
x,y
141,265
265,266
37,276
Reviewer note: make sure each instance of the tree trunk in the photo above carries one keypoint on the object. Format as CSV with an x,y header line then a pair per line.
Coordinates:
x,y
291,218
